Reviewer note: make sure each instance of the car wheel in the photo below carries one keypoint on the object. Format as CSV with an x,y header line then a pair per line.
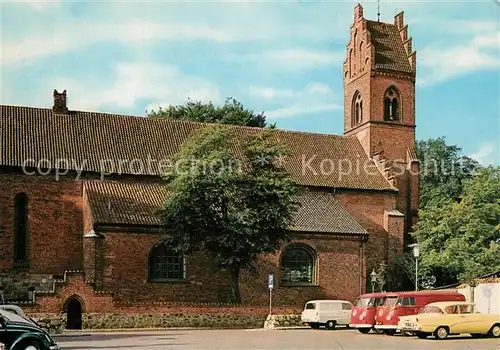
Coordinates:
x,y
30,345
364,330
331,325
495,331
422,335
389,332
441,333
314,325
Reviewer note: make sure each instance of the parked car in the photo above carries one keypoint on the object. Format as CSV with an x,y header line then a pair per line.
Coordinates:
x,y
446,318
328,313
13,308
364,311
20,333
406,304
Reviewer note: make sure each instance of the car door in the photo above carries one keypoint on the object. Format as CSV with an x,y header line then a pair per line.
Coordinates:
x,y
456,321
472,322
346,313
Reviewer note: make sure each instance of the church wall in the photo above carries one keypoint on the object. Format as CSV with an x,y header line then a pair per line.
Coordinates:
x,y
368,209
54,222
125,269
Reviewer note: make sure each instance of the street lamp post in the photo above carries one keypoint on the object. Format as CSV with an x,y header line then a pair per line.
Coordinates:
x,y
373,278
416,254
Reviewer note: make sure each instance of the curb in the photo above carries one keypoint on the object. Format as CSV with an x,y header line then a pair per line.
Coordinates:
x,y
89,332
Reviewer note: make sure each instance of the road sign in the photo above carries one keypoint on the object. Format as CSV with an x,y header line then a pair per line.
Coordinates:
x,y
270,281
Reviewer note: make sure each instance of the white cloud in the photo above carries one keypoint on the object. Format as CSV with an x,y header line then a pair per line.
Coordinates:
x,y
313,98
36,4
79,34
134,83
291,59
442,63
487,154
311,90
302,109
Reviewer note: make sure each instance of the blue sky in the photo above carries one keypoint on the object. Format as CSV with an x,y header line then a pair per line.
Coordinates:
x,y
281,57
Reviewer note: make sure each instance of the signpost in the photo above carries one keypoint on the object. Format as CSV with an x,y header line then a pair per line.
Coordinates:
x,y
270,284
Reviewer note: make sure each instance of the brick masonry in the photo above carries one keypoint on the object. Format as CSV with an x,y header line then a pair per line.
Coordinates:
x,y
121,258
112,270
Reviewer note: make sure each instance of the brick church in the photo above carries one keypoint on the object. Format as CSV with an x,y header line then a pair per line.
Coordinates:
x,y
78,212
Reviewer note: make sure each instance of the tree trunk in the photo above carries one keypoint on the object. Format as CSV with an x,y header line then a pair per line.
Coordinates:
x,y
235,284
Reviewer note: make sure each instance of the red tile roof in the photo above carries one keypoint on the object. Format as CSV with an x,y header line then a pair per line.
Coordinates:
x,y
121,203
135,145
390,53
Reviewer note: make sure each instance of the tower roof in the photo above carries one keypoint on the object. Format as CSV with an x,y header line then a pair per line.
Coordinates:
x,y
390,52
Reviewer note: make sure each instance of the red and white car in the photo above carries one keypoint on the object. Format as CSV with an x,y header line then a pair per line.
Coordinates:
x,y
364,311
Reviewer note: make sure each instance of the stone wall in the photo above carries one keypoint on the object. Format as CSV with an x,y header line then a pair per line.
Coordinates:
x,y
276,321
52,323
17,285
55,323
118,321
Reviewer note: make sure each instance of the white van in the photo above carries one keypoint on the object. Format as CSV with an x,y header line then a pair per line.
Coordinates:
x,y
328,313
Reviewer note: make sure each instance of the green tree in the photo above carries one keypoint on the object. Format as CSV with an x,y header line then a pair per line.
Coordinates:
x,y
460,240
232,112
443,171
234,208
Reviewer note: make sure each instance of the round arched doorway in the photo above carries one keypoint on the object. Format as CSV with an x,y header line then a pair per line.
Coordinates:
x,y
74,311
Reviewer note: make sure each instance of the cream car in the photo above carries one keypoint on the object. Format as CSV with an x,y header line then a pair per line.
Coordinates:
x,y
444,318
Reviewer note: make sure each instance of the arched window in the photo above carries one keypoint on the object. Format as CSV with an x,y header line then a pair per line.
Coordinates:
x,y
21,230
392,108
297,265
357,109
166,265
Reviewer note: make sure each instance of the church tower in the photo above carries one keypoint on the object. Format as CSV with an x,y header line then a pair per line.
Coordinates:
x,y
379,102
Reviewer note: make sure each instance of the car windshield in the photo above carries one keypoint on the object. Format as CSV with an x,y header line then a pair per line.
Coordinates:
x,y
389,301
310,306
12,317
362,302
376,302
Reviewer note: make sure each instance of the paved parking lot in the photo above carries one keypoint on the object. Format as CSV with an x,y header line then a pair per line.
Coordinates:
x,y
303,339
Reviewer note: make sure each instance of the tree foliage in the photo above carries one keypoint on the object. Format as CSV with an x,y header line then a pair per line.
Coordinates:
x,y
443,171
234,208
460,240
232,112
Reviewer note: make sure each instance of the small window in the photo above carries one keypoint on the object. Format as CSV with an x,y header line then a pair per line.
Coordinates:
x,y
431,310
357,109
310,306
392,108
363,302
466,309
346,306
297,265
452,309
389,301
166,265
406,301
21,230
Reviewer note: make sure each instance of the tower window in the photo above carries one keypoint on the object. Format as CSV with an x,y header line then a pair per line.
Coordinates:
x,y
391,105
21,230
357,109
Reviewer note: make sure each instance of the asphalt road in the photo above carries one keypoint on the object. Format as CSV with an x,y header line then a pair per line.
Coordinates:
x,y
299,339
